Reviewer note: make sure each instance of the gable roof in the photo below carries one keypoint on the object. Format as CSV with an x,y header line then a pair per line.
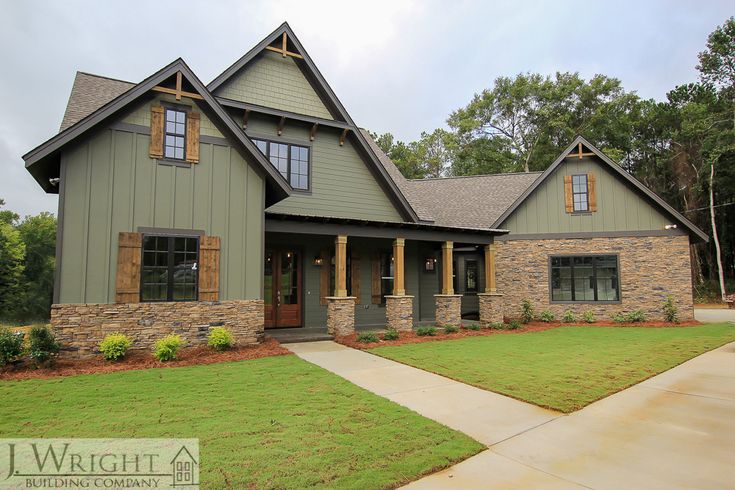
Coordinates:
x,y
89,93
617,170
41,161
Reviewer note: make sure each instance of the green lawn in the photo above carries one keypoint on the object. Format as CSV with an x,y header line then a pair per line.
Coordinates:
x,y
565,368
276,422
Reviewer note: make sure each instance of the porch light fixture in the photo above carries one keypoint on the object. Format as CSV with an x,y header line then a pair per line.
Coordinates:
x,y
430,264
318,261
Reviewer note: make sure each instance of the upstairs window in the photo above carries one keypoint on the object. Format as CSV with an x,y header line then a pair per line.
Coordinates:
x,y
175,138
291,161
580,193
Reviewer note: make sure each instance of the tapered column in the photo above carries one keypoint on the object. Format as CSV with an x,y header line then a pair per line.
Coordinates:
x,y
490,285
399,306
399,281
490,302
340,266
447,268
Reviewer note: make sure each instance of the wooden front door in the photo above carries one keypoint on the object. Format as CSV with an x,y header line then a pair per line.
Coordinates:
x,y
282,288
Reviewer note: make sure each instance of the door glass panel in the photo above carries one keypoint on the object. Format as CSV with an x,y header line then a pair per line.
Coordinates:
x,y
289,278
268,280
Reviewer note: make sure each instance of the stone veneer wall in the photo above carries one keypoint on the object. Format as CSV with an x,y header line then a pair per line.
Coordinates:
x,y
650,268
80,327
490,308
399,312
340,315
448,309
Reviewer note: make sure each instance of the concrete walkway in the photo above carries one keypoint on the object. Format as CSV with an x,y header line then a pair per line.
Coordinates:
x,y
714,315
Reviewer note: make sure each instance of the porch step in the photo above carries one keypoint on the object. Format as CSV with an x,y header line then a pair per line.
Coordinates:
x,y
292,335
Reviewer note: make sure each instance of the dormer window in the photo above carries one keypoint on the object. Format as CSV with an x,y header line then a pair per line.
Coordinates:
x,y
580,193
174,141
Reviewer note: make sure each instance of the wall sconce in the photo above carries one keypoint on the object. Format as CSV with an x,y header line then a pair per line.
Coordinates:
x,y
430,264
318,261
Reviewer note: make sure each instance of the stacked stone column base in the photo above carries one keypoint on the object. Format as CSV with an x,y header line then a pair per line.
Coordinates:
x,y
491,308
448,309
399,312
340,315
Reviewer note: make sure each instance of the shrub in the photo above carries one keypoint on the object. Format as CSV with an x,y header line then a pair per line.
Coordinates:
x,y
42,345
391,334
618,318
671,312
526,311
589,316
114,346
11,345
167,348
426,331
513,325
450,329
497,325
636,316
220,339
547,316
367,337
569,317
473,326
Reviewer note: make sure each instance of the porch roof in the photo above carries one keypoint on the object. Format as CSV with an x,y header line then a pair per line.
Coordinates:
x,y
327,225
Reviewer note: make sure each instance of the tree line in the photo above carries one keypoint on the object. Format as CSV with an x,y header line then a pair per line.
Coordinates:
x,y
683,148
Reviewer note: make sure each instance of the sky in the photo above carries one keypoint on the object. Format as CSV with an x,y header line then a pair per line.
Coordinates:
x,y
397,66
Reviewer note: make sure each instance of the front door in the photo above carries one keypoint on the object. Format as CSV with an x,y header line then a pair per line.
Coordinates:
x,y
282,288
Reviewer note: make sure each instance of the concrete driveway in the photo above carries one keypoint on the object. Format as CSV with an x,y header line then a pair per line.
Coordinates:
x,y
714,315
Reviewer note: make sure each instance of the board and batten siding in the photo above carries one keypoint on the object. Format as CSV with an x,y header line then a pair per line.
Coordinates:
x,y
619,208
273,81
342,186
111,185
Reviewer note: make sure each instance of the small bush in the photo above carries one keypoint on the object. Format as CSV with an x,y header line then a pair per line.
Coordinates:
x,y
426,331
636,316
367,337
167,348
450,329
547,316
11,346
589,316
671,312
497,325
391,334
526,311
513,325
618,318
114,346
473,326
569,317
42,345
220,339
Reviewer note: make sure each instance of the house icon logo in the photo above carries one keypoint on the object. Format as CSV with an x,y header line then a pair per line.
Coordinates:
x,y
184,469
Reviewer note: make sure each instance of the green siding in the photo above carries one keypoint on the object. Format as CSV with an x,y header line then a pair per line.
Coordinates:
x,y
111,185
618,207
273,81
341,183
141,114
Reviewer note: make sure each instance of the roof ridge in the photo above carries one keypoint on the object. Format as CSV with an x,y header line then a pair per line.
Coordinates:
x,y
105,77
429,179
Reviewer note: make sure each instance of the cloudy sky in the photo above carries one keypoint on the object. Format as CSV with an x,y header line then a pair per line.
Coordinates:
x,y
398,66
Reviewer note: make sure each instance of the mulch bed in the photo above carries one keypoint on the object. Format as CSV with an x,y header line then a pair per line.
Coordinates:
x,y
141,360
412,338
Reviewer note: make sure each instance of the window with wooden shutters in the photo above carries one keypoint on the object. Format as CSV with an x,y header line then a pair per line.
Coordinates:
x,y
209,268
127,279
156,146
170,268
592,192
175,132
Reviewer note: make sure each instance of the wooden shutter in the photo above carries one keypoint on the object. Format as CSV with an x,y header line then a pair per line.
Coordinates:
x,y
127,279
375,282
568,196
355,275
209,252
192,138
592,192
155,150
324,276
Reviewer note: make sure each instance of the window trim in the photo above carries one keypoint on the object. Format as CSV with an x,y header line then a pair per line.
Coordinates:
x,y
585,193
289,143
594,269
170,252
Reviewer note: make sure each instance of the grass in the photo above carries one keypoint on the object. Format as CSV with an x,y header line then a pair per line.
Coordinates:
x,y
564,368
276,422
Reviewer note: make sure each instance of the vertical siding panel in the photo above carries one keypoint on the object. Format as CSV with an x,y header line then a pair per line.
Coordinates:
x,y
182,210
145,184
121,191
236,217
98,218
253,237
74,249
163,196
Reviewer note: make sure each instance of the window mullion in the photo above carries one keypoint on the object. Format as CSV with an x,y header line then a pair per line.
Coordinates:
x,y
170,280
574,285
594,277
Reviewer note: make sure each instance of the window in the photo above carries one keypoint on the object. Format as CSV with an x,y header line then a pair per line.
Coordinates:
x,y
470,276
174,142
386,276
580,193
169,268
292,161
585,278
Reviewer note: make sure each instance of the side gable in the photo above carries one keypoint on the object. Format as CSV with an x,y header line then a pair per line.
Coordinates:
x,y
623,203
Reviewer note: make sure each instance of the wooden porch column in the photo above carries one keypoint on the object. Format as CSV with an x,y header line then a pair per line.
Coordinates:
x,y
340,266
490,286
447,268
399,281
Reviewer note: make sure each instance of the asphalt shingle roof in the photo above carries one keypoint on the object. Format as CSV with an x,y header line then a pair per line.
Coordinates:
x,y
89,93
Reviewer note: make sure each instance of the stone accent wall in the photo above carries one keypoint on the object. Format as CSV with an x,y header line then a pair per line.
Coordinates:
x,y
491,308
399,312
448,309
81,327
650,268
340,315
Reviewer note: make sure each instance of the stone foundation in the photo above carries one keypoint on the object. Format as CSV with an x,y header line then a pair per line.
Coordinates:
x,y
491,308
650,268
399,312
448,309
340,315
80,328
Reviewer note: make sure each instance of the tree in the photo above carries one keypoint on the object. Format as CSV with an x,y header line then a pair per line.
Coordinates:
x,y
7,216
38,234
12,253
717,62
429,156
